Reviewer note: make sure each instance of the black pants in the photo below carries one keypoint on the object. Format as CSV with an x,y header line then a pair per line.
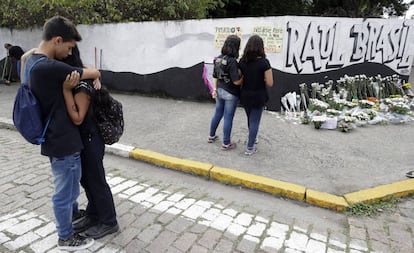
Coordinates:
x,y
100,201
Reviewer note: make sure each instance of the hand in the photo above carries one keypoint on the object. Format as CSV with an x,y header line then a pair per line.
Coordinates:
x,y
214,94
97,84
71,80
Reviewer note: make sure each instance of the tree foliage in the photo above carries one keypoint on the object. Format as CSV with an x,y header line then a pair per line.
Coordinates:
x,y
358,8
246,8
22,14
336,8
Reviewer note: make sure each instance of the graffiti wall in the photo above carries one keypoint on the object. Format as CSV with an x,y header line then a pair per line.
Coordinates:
x,y
174,58
314,46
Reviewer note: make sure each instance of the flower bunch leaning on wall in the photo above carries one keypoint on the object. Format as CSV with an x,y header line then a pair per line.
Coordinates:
x,y
354,101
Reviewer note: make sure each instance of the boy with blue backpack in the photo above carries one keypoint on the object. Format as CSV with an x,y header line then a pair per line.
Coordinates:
x,y
62,140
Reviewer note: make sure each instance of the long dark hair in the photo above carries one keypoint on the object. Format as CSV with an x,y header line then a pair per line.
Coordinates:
x,y
231,46
254,49
74,59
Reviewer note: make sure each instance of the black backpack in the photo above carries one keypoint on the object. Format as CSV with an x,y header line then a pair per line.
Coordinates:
x,y
109,116
221,68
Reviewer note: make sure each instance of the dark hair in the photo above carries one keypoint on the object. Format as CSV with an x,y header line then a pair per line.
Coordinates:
x,y
60,26
231,46
254,49
74,59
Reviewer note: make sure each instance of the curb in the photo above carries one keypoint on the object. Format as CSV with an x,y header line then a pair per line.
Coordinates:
x,y
263,184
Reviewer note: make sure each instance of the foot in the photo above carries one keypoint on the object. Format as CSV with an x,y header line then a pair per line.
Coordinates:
x,y
212,139
410,174
101,230
84,223
250,152
76,217
229,146
75,242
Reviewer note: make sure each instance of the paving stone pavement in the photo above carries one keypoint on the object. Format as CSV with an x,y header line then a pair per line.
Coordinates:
x,y
166,211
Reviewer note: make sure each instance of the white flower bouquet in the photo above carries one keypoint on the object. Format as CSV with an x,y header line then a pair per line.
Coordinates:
x,y
317,105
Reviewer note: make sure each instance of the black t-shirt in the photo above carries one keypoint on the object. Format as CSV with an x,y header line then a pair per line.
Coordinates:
x,y
253,73
46,82
232,73
254,92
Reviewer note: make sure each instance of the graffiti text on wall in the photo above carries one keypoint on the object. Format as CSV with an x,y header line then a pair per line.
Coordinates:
x,y
221,33
328,46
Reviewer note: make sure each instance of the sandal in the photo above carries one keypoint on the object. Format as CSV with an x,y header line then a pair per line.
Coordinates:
x,y
212,139
410,174
229,146
250,152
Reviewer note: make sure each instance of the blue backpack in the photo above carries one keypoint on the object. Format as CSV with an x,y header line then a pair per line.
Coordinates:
x,y
27,114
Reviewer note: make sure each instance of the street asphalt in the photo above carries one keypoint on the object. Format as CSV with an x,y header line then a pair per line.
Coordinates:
x,y
327,168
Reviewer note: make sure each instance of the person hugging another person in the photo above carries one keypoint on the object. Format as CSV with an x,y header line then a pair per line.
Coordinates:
x,y
99,219
257,76
63,143
226,84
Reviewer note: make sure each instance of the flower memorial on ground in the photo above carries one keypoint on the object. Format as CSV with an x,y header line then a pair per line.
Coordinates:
x,y
353,102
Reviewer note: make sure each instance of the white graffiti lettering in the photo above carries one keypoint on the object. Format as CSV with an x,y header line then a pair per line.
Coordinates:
x,y
328,46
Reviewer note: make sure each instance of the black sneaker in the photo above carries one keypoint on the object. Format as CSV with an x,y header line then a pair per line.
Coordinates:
x,y
75,242
101,230
78,216
84,223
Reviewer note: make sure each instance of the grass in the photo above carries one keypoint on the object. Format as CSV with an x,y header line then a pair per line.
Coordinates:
x,y
364,209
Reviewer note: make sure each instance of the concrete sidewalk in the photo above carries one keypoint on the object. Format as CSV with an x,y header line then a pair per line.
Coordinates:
x,y
326,168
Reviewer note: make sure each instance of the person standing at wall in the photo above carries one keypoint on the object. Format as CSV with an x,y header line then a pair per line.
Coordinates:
x,y
6,66
226,84
257,76
62,141
11,68
99,219
15,53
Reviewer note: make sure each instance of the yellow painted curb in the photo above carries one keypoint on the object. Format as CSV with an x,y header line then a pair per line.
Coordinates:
x,y
326,200
371,195
273,186
264,184
194,167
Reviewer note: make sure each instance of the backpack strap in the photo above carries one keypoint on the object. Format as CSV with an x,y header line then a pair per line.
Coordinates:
x,y
26,76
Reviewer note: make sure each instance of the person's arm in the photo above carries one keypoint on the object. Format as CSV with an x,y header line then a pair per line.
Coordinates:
x,y
269,78
76,105
23,60
214,94
240,81
234,72
90,73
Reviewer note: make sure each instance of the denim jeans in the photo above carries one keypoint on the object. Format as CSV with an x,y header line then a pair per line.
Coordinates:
x,y
226,104
253,121
66,173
